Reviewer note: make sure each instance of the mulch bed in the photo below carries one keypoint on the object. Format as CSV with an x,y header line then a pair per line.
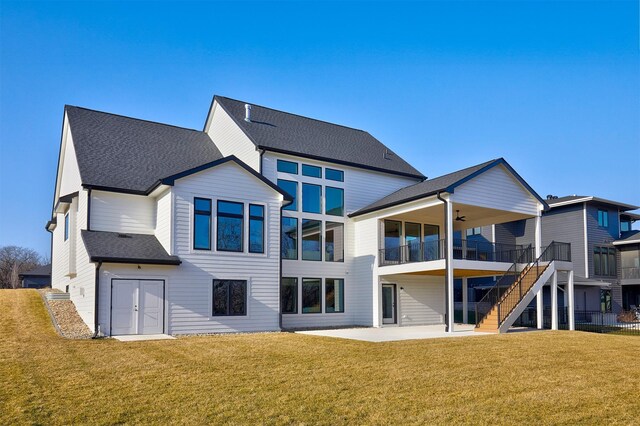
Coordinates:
x,y
65,315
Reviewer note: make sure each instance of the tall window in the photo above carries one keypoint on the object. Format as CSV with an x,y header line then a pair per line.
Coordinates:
x,y
412,238
66,226
603,218
289,295
201,224
334,295
256,228
291,188
229,297
311,239
311,198
288,167
311,171
334,201
332,174
431,237
604,261
334,242
230,223
289,238
392,234
311,289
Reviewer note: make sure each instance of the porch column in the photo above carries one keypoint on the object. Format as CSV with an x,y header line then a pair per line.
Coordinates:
x,y
465,302
554,301
449,263
571,300
538,252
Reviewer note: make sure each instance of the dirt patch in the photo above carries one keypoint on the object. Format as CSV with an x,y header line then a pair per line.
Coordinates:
x,y
65,315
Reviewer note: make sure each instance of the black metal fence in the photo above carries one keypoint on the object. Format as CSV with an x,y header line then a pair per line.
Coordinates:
x,y
625,322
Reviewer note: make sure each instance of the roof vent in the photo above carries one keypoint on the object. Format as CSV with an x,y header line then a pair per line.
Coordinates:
x,y
247,113
387,155
552,197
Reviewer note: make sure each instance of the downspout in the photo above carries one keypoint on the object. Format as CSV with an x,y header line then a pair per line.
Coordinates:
x,y
97,298
261,154
89,209
446,264
280,273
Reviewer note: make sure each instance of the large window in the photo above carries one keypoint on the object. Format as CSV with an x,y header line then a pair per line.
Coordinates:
x,y
334,242
230,223
312,171
311,198
431,237
334,201
412,233
288,167
289,295
604,261
603,218
334,295
392,235
201,224
66,227
311,289
256,228
311,239
332,174
291,188
289,238
229,297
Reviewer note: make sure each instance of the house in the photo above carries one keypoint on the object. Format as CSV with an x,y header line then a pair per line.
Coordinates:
x,y
267,220
36,278
604,249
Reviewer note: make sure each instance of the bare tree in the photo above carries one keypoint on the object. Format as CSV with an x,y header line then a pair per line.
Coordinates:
x,y
14,261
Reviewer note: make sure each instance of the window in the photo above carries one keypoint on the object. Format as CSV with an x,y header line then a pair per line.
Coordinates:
x,y
256,228
625,225
333,295
229,298
66,226
412,233
312,171
334,242
311,303
311,239
474,231
604,261
230,223
332,174
289,295
291,188
289,238
605,300
288,167
311,198
431,237
603,218
201,224
392,235
334,203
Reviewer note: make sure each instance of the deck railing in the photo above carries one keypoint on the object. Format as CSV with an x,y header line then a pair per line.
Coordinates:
x,y
462,249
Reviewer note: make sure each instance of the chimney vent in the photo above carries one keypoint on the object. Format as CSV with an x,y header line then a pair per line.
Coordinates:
x,y
247,112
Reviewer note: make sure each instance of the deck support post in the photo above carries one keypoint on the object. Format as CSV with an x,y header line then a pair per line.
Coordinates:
x,y
571,300
537,253
554,301
448,222
465,301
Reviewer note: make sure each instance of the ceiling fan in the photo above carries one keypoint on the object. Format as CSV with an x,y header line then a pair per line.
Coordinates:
x,y
460,218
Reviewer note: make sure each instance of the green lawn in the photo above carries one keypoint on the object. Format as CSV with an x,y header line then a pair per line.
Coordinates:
x,y
538,377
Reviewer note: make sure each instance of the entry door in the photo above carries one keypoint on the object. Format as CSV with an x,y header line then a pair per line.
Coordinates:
x,y
137,307
388,303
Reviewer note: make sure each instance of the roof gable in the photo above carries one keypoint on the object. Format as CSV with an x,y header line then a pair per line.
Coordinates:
x,y
293,134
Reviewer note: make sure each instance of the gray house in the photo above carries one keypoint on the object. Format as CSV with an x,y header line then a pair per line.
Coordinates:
x,y
598,230
36,278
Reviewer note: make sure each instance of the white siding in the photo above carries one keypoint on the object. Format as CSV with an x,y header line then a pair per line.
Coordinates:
x,y
69,173
365,277
230,139
115,212
59,256
421,299
496,189
188,287
163,220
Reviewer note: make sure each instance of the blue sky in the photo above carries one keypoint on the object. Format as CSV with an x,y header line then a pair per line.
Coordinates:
x,y
554,87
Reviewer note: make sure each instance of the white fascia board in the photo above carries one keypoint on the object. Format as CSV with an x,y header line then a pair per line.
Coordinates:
x,y
402,208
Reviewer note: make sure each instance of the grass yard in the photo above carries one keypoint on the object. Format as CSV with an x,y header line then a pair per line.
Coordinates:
x,y
282,378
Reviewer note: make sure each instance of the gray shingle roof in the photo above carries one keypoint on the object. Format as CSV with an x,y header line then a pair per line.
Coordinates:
x,y
40,271
284,132
129,154
572,199
126,248
628,237
424,189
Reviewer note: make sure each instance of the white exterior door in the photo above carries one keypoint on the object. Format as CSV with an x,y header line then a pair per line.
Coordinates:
x,y
137,307
388,303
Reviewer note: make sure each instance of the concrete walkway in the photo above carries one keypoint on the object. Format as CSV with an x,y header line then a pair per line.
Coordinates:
x,y
143,337
391,334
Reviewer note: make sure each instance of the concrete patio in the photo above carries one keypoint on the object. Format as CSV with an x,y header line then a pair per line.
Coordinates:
x,y
391,334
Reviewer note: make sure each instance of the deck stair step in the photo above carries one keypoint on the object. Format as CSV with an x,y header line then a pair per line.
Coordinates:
x,y
58,296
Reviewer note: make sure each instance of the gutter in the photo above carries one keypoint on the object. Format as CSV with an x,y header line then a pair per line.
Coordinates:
x,y
96,298
446,264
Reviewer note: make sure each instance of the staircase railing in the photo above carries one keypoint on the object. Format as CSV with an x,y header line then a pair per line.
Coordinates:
x,y
511,287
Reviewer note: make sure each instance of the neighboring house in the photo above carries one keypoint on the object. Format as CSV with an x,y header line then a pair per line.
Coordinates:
x,y
628,246
596,229
268,220
36,278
